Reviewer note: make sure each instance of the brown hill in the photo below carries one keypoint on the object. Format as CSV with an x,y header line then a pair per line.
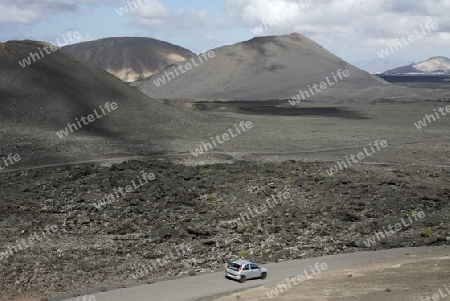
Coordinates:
x,y
273,67
130,58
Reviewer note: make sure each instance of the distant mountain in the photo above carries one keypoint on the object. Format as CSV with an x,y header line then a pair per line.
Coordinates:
x,y
379,66
434,65
129,58
265,68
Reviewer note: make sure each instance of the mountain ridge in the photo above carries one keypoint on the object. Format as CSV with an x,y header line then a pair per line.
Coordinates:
x,y
130,58
268,68
434,65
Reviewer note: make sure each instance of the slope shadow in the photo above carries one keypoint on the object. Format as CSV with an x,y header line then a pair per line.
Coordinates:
x,y
277,108
315,111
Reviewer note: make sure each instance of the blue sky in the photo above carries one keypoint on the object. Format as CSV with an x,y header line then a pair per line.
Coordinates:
x,y
355,30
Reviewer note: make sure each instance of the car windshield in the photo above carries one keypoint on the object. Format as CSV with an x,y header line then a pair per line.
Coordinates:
x,y
233,266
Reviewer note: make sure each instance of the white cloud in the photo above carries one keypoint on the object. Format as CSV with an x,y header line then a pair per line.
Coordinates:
x,y
341,25
151,9
29,11
14,14
346,27
258,10
153,15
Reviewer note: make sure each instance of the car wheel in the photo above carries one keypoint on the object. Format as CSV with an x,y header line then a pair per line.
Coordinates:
x,y
263,275
242,280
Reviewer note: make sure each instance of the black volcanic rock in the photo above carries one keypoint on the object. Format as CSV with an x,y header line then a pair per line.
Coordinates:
x,y
100,248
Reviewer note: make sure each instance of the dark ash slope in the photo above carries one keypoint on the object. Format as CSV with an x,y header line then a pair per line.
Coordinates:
x,y
274,67
40,99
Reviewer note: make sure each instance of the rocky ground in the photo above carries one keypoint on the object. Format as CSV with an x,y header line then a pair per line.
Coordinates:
x,y
191,206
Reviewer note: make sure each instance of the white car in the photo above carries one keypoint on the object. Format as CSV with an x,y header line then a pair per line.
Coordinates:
x,y
242,270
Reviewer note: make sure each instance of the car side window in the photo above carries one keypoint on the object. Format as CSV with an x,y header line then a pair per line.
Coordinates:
x,y
246,267
254,266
